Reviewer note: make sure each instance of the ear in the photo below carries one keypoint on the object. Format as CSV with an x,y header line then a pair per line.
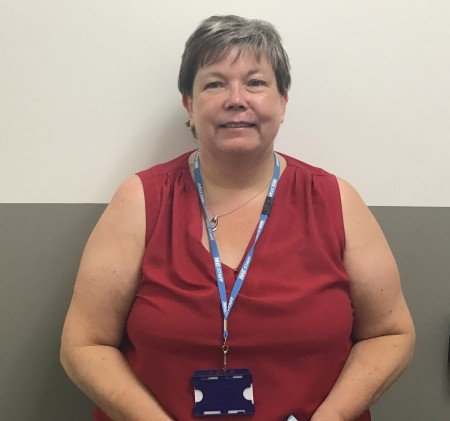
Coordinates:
x,y
187,104
284,100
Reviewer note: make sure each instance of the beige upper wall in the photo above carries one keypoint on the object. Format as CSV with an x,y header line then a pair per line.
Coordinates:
x,y
88,93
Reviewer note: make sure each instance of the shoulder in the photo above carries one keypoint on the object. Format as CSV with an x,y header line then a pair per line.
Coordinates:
x,y
319,180
129,192
128,205
124,217
166,168
359,222
322,185
160,178
350,200
349,194
304,167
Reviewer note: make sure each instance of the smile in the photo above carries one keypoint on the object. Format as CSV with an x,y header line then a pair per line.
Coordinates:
x,y
237,125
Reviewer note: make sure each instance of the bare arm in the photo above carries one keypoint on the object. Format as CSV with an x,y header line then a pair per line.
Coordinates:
x,y
383,329
104,292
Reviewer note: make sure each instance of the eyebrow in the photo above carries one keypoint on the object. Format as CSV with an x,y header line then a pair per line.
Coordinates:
x,y
222,75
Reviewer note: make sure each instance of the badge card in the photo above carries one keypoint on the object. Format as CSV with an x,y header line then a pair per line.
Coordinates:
x,y
219,392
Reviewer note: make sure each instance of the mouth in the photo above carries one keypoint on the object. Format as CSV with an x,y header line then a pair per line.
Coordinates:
x,y
237,125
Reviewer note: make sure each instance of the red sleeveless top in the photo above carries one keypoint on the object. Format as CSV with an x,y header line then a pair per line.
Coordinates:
x,y
292,320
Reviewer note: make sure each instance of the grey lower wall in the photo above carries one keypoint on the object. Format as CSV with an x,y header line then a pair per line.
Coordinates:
x,y
40,247
420,239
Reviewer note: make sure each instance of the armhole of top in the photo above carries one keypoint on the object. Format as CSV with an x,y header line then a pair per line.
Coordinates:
x,y
151,202
329,186
340,216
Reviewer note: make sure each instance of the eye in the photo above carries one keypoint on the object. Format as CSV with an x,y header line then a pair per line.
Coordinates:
x,y
255,83
214,85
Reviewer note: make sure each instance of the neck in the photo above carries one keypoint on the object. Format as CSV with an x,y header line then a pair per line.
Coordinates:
x,y
236,172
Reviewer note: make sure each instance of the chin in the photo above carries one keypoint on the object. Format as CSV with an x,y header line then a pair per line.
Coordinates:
x,y
236,145
240,146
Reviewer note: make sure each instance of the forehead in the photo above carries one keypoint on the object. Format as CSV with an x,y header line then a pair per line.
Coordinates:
x,y
237,58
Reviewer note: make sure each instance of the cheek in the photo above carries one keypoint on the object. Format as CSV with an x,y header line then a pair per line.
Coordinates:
x,y
272,114
204,112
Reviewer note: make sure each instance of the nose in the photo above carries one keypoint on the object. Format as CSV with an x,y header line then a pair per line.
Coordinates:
x,y
236,97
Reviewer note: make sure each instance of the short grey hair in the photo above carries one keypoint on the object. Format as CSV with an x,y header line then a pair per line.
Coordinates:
x,y
216,36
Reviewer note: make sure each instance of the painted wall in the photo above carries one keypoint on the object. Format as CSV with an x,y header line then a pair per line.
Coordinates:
x,y
88,93
88,96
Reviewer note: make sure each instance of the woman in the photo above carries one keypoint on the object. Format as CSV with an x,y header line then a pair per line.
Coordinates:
x,y
319,322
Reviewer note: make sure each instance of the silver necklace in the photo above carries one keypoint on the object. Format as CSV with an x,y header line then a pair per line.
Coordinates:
x,y
214,221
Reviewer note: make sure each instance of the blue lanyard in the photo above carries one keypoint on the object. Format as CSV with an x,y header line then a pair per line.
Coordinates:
x,y
225,304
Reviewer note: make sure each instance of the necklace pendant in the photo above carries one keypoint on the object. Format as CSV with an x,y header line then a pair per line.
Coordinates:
x,y
214,222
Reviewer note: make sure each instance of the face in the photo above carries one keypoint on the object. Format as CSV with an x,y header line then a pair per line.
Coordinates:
x,y
236,106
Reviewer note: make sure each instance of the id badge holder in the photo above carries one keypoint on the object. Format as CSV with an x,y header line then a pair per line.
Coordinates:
x,y
219,392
